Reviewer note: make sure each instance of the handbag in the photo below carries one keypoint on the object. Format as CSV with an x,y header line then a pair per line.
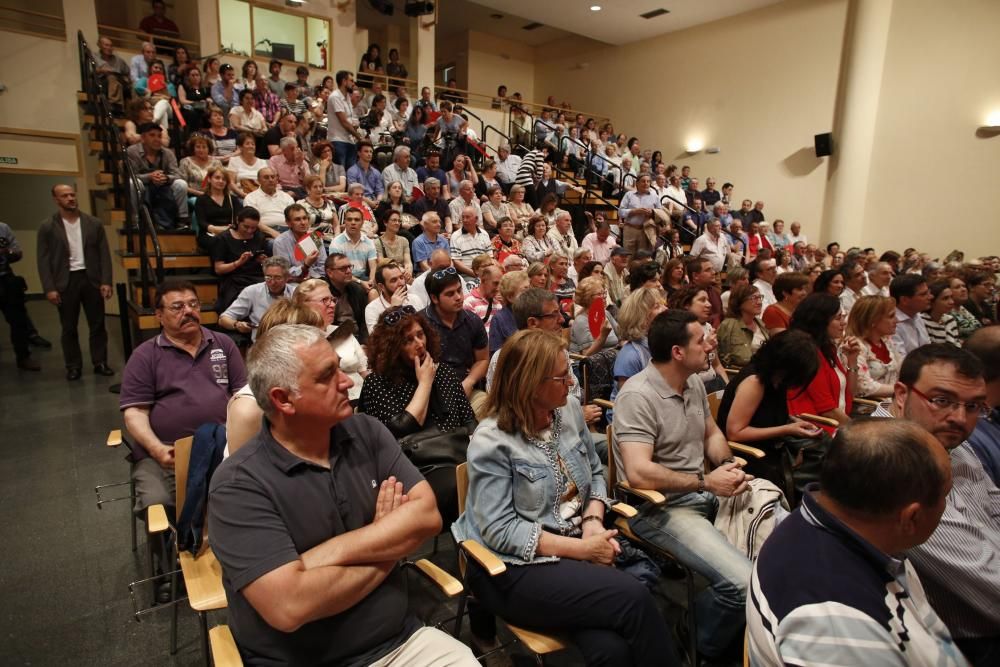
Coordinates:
x,y
803,460
431,448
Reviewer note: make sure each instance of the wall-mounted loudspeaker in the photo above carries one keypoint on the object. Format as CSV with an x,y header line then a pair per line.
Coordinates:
x,y
824,144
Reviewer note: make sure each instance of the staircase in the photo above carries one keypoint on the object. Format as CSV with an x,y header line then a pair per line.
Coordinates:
x,y
147,254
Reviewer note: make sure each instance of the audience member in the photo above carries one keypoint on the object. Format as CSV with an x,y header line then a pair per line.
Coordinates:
x,y
468,243
158,23
74,266
537,246
582,340
139,64
834,571
165,192
270,202
392,244
367,175
291,167
464,343
695,299
638,217
763,273
985,440
503,324
742,333
913,297
981,285
357,247
560,236
12,300
941,325
112,71
873,324
663,444
853,275
390,283
712,245
351,297
484,300
433,202
305,251
529,400
634,317
789,290
237,256
702,275
245,313
600,242
967,322
245,166
879,277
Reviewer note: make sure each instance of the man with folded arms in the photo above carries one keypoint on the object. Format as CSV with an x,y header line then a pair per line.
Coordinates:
x,y
310,518
831,585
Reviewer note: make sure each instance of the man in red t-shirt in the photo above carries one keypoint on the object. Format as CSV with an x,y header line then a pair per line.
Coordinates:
x,y
157,23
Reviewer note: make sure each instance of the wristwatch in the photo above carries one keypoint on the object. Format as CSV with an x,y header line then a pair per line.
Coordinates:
x,y
701,481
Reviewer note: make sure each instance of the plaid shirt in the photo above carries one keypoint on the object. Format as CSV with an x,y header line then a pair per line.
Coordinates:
x,y
268,104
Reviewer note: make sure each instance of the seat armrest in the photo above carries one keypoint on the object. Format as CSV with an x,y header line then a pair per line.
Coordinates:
x,y
648,495
484,557
624,510
576,356
747,449
816,419
224,650
600,402
114,438
156,519
866,401
448,584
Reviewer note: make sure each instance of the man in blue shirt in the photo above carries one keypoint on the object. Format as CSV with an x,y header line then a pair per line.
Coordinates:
x,y
429,241
985,440
364,173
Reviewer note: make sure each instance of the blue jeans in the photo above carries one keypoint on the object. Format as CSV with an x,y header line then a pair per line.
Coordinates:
x,y
345,154
683,528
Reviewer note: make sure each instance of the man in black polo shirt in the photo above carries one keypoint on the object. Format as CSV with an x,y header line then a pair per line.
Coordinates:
x,y
310,518
464,343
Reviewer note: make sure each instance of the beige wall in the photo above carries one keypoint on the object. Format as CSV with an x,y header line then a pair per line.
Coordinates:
x,y
494,61
933,181
758,86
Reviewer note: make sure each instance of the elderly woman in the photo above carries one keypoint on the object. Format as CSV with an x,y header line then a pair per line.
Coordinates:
x,y
634,317
695,299
789,289
409,391
581,340
878,365
505,243
494,209
742,332
941,325
537,499
519,209
830,392
322,214
315,294
537,247
242,415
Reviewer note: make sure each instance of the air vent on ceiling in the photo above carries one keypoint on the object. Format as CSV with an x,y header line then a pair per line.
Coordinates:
x,y
532,26
653,14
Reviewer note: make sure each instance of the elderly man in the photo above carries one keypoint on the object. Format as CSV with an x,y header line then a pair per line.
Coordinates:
x,y
507,165
112,71
757,214
712,245
270,144
244,314
290,167
390,283
746,207
466,198
342,125
560,236
941,388
139,65
401,171
305,255
796,234
739,242
467,244
665,434
434,202
762,274
310,518
710,196
879,277
580,259
484,300
616,272
638,217
165,191
352,298
600,242
913,297
270,202
429,241
721,211
882,490
74,264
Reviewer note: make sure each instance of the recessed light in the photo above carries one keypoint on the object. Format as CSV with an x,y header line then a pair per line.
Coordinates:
x,y
595,8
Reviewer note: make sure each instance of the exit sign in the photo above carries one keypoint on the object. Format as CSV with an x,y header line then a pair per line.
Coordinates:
x,y
7,160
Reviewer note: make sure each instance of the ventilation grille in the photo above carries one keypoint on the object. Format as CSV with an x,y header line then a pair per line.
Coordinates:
x,y
532,26
654,13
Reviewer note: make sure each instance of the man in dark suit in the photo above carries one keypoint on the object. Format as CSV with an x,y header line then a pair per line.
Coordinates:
x,y
74,264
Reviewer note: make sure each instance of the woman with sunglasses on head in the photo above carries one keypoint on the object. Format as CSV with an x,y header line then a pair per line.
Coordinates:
x,y
537,500
409,391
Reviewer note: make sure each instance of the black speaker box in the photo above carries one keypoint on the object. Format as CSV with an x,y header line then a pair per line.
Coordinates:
x,y
824,144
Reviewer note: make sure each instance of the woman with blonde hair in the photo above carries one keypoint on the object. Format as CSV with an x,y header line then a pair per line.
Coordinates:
x,y
243,415
581,340
872,321
634,318
315,293
214,210
538,275
519,209
537,500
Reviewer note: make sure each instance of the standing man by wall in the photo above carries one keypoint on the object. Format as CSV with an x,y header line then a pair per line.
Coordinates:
x,y
12,300
74,264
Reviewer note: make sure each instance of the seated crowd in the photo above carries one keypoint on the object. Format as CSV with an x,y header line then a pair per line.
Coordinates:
x,y
431,302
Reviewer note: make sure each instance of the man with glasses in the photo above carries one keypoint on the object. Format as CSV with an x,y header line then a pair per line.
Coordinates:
x,y
171,385
245,313
352,298
710,196
941,388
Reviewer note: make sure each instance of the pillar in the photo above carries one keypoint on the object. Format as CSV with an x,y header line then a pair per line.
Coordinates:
x,y
859,89
421,64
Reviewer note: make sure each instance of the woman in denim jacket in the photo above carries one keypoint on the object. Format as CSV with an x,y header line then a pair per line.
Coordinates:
x,y
536,499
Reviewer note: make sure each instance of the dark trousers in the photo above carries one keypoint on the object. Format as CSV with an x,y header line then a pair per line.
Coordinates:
x,y
80,292
610,615
12,306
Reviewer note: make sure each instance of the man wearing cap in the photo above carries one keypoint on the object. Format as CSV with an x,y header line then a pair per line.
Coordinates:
x,y
617,275
166,192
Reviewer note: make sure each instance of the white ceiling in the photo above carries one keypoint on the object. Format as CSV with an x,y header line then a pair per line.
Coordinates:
x,y
618,22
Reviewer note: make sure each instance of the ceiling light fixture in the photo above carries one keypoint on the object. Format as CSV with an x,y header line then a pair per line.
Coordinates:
x,y
595,8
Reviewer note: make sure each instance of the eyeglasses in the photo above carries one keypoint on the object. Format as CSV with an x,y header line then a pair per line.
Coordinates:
x,y
394,315
274,279
346,267
940,403
443,273
565,379
326,300
179,307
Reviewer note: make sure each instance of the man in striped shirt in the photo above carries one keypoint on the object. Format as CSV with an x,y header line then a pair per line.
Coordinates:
x,y
830,586
941,388
531,171
468,244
